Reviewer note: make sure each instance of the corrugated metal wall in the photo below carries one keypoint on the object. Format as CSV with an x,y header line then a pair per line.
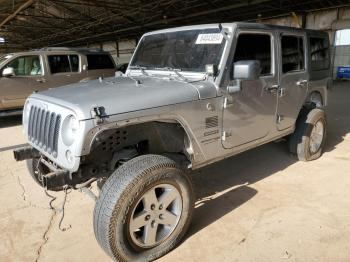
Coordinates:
x,y
329,20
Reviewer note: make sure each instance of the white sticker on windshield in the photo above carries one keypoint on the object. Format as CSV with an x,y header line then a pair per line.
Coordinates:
x,y
213,39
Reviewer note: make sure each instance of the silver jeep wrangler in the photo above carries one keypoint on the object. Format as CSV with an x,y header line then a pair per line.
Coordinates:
x,y
191,96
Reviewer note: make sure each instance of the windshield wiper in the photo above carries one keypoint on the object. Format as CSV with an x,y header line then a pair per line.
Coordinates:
x,y
141,68
175,70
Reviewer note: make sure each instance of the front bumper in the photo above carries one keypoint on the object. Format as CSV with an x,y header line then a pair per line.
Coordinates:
x,y
24,153
55,179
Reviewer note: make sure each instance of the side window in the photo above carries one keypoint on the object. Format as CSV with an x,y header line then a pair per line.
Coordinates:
x,y
293,58
59,64
255,47
99,62
26,66
319,53
63,63
74,62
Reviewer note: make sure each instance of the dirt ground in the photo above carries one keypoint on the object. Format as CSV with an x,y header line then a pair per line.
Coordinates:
x,y
261,205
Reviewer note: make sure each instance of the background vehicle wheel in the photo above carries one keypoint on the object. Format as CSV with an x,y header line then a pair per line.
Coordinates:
x,y
309,137
144,209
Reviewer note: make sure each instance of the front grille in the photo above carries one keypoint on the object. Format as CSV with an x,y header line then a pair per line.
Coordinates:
x,y
43,128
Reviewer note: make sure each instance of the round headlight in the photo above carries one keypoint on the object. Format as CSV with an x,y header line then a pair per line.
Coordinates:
x,y
70,128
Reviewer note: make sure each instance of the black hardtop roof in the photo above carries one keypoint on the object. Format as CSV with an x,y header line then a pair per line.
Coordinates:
x,y
249,25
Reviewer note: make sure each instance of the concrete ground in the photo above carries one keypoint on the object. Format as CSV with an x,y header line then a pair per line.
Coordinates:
x,y
261,205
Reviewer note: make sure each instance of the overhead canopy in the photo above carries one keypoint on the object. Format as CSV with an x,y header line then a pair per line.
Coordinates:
x,y
26,24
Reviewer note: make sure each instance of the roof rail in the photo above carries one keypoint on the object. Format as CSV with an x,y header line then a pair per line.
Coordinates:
x,y
78,49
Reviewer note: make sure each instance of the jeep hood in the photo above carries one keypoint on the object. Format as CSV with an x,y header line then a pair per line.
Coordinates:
x,y
124,94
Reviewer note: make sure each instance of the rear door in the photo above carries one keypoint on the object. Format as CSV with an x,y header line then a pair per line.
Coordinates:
x,y
64,69
29,77
293,78
100,65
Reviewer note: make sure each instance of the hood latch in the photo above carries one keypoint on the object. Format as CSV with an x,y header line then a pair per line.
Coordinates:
x,y
99,114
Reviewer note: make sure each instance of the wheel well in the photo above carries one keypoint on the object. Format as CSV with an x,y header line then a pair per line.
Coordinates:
x,y
113,146
315,98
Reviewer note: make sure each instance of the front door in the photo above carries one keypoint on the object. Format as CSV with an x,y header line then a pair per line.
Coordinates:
x,y
29,77
293,80
250,114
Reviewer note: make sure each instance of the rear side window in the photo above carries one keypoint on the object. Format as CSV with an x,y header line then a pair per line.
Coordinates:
x,y
63,63
248,49
99,62
319,53
293,58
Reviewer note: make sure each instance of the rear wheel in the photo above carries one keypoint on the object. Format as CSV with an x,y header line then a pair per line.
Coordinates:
x,y
309,137
144,209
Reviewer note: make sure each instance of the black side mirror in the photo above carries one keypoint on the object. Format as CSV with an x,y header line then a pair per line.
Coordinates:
x,y
246,70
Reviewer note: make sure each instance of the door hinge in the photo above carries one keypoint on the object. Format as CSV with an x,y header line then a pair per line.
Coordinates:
x,y
279,118
225,135
227,103
281,92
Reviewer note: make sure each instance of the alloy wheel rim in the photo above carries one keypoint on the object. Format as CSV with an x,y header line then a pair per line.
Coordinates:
x,y
316,137
155,216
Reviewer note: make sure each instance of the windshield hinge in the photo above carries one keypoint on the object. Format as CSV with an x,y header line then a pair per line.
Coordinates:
x,y
223,31
99,114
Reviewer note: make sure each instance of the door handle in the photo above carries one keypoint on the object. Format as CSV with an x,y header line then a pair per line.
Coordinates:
x,y
301,83
272,88
41,80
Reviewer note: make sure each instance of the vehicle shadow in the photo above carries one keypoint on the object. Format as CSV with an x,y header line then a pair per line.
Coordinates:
x,y
9,121
224,186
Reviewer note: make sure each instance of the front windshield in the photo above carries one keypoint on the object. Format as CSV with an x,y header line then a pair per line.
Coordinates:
x,y
4,58
188,50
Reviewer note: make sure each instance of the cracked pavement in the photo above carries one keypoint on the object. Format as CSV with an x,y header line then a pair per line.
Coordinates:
x,y
261,205
29,228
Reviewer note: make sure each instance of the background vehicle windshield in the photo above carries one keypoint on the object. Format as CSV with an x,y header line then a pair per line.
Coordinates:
x,y
187,50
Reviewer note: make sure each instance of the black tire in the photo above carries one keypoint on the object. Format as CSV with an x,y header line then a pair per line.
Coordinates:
x,y
299,141
120,195
36,171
